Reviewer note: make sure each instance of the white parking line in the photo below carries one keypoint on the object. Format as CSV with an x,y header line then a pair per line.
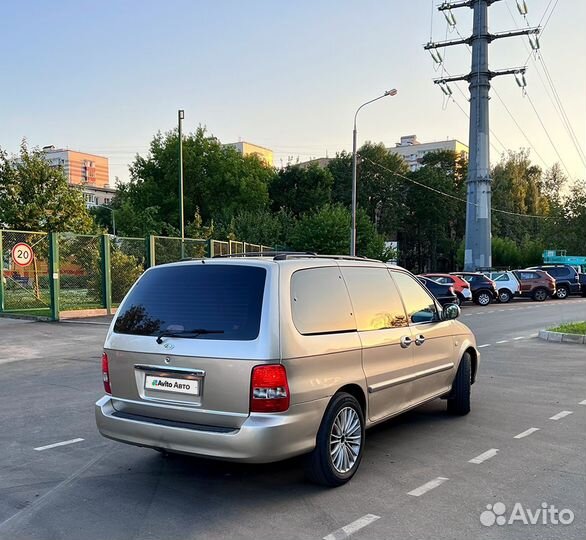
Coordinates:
x,y
518,338
502,341
583,402
484,456
428,486
560,415
351,528
54,445
526,433
482,346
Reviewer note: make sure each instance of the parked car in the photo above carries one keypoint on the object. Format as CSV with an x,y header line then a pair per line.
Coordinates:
x,y
567,280
444,294
535,284
507,285
260,359
461,286
483,289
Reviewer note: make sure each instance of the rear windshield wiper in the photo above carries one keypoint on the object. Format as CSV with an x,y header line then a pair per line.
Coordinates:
x,y
186,333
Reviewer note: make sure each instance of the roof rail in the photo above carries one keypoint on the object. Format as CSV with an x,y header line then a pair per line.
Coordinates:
x,y
274,254
285,256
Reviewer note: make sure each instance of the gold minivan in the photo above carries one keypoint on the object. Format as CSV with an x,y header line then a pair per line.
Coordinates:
x,y
258,359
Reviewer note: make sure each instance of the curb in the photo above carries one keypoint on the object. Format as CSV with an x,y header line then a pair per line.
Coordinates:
x,y
558,337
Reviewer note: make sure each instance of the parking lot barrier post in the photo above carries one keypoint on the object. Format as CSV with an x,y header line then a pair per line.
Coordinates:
x,y
150,251
1,274
106,273
210,248
54,285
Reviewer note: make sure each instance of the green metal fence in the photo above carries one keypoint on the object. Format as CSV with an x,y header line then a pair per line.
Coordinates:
x,y
47,274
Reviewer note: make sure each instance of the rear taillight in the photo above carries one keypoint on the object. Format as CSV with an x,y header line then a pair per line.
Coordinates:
x,y
269,390
106,373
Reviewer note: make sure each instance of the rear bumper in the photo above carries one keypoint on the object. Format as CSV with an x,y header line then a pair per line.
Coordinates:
x,y
262,438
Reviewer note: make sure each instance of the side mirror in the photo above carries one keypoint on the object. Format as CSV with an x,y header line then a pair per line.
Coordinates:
x,y
450,311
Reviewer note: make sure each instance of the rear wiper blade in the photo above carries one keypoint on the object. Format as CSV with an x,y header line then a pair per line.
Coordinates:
x,y
186,333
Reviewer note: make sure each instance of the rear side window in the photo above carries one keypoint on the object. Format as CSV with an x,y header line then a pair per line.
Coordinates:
x,y
376,301
419,304
320,303
226,298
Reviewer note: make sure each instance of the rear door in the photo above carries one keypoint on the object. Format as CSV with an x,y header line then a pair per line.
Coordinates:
x,y
192,376
433,344
387,351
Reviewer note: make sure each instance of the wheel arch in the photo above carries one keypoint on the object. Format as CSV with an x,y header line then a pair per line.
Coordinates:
x,y
473,361
357,392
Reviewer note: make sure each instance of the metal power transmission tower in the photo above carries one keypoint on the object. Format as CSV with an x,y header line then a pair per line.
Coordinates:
x,y
478,224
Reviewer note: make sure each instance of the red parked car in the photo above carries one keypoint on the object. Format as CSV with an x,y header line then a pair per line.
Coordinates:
x,y
461,286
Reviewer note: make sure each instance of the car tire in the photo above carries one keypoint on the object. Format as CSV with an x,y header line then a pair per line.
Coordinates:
x,y
505,296
459,299
343,418
562,292
459,398
540,294
483,298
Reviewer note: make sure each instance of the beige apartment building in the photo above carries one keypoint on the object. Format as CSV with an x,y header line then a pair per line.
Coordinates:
x,y
249,149
87,170
412,151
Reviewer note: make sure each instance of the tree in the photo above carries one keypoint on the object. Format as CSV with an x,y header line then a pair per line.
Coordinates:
x,y
378,188
301,189
430,224
327,231
34,196
218,181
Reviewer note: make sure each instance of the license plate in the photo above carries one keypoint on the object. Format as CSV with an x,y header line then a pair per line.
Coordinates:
x,y
170,384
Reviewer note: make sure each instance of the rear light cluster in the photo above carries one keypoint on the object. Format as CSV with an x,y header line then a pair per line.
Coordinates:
x,y
106,373
269,389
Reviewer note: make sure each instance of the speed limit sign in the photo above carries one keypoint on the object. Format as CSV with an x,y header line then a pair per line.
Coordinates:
x,y
22,254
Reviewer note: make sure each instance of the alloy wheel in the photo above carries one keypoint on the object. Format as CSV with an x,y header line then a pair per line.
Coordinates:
x,y
345,440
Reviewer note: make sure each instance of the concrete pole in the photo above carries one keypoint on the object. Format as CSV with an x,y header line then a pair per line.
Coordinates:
x,y
478,252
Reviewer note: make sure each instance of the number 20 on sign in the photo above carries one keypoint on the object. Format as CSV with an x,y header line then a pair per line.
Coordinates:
x,y
22,254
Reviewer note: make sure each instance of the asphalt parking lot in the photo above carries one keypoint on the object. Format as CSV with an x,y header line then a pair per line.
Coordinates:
x,y
424,474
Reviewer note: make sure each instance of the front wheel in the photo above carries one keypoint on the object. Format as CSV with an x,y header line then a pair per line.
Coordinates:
x,y
483,298
459,398
540,295
505,296
339,443
562,293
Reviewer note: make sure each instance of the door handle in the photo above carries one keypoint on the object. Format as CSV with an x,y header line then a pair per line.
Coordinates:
x,y
406,341
420,339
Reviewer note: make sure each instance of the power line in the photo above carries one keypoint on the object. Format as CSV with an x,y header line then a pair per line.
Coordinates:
x,y
449,195
555,100
547,133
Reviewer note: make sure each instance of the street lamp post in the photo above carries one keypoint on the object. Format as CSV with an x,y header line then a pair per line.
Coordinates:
x,y
391,92
180,117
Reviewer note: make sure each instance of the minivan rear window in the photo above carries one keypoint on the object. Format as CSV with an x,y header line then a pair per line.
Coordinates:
x,y
226,299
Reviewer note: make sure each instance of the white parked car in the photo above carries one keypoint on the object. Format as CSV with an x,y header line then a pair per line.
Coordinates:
x,y
507,284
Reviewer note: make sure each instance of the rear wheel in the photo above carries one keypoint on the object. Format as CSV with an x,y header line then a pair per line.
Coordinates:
x,y
459,299
505,296
339,443
483,298
459,398
540,294
562,292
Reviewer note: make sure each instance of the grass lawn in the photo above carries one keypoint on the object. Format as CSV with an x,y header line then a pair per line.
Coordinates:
x,y
571,328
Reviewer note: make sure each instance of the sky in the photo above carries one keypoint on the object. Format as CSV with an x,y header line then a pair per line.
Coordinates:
x,y
105,76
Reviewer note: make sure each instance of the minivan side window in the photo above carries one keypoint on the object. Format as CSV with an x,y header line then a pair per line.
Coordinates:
x,y
320,303
376,301
419,305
